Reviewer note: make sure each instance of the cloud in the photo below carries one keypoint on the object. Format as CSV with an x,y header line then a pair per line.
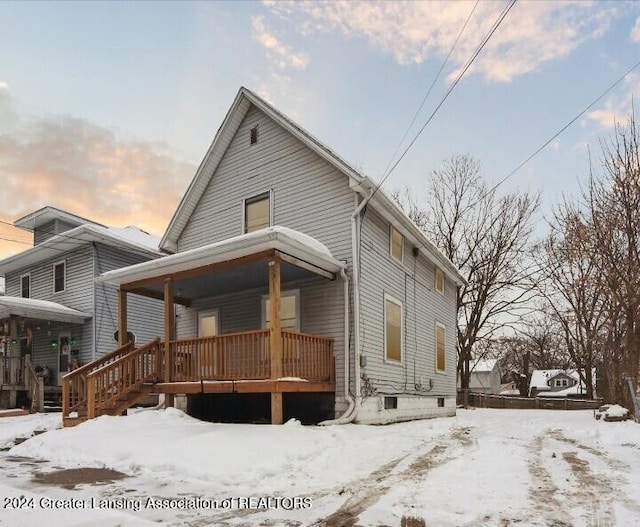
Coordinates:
x,y
4,86
532,34
635,32
282,55
75,165
617,107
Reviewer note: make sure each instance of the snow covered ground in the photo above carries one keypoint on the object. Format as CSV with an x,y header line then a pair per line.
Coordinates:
x,y
483,467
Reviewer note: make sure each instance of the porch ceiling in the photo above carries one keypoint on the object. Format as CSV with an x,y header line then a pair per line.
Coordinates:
x,y
241,278
39,309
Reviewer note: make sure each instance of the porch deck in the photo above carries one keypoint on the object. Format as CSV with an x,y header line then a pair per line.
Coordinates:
x,y
229,363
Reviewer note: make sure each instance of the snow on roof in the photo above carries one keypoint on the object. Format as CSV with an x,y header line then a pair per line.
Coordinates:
x,y
289,241
41,309
135,235
540,378
483,365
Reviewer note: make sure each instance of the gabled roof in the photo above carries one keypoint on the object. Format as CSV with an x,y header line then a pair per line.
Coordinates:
x,y
483,365
130,239
360,183
40,217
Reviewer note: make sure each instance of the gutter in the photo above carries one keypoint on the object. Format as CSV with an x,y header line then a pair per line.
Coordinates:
x,y
352,411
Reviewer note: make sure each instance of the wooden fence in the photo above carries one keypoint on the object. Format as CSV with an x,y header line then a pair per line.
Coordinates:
x,y
480,400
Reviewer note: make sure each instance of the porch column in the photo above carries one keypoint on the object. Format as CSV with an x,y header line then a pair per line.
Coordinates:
x,y
122,318
275,338
169,324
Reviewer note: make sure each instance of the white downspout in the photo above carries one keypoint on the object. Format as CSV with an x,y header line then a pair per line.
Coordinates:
x,y
352,410
347,416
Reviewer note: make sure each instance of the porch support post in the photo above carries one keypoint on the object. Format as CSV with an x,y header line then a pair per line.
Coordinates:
x,y
275,338
169,323
122,318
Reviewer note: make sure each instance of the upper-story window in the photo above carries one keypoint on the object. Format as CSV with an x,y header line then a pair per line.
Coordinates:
x,y
257,212
253,135
25,286
59,277
439,280
396,246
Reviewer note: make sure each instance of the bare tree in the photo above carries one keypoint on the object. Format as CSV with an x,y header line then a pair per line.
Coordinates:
x,y
486,236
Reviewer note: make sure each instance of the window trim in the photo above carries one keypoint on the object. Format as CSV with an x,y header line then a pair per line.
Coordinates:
x,y
26,275
268,192
64,276
444,281
444,328
391,231
397,302
288,292
207,313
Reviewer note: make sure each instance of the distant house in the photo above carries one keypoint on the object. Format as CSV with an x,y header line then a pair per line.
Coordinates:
x,y
557,383
53,316
485,376
296,288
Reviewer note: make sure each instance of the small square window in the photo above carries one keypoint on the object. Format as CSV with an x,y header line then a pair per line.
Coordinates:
x,y
439,280
440,402
257,212
25,286
396,247
390,403
253,135
59,277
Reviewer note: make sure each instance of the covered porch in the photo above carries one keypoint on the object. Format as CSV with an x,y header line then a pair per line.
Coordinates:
x,y
38,342
274,356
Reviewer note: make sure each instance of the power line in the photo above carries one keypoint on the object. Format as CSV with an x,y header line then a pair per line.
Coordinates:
x,y
433,83
470,61
554,136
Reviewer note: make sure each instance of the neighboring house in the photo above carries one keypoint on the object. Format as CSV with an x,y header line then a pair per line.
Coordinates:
x,y
485,376
297,288
53,312
558,383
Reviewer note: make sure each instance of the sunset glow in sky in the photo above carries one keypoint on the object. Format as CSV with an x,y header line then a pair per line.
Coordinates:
x,y
106,109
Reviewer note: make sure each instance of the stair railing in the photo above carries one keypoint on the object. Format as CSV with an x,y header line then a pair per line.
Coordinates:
x,y
35,386
109,383
74,383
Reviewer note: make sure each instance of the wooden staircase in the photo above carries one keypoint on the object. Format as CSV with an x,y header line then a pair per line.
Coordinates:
x,y
111,384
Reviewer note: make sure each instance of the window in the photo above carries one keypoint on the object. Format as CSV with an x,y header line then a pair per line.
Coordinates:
x,y
390,403
440,348
439,280
396,247
289,310
59,277
440,402
25,286
257,212
558,383
253,135
392,329
207,323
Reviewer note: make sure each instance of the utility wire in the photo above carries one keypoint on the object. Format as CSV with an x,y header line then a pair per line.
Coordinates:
x,y
433,83
475,54
554,136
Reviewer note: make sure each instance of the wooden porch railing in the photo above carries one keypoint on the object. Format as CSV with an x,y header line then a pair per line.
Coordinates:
x,y
109,384
12,371
35,386
74,384
227,357
307,356
246,356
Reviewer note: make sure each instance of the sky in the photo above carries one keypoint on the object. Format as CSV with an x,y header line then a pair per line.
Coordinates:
x,y
106,109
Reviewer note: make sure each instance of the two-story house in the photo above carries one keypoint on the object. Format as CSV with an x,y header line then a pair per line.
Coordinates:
x,y
296,288
54,317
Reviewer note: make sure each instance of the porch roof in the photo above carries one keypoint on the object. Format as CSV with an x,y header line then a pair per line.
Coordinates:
x,y
295,247
39,309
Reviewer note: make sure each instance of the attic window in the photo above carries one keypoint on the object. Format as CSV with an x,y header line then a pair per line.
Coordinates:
x,y
254,135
